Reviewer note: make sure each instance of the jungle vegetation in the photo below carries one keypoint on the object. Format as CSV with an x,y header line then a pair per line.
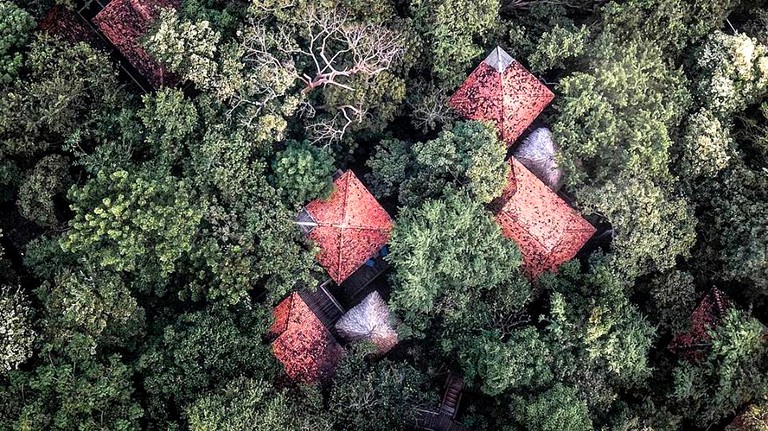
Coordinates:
x,y
146,236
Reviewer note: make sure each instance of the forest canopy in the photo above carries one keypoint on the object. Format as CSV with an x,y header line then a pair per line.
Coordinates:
x,y
163,165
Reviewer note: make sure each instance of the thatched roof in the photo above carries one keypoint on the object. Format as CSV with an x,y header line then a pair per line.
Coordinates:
x,y
369,321
537,153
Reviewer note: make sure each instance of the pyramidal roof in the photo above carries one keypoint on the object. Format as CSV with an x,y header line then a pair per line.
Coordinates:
x,y
501,90
369,320
706,316
350,228
546,229
302,343
499,59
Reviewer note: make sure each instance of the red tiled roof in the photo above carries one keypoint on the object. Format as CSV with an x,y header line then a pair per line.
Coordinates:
x,y
546,229
60,21
692,343
124,23
351,227
501,90
304,346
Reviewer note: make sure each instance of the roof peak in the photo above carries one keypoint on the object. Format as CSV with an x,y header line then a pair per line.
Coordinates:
x,y
499,59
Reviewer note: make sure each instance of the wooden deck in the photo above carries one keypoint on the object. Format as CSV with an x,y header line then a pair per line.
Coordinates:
x,y
358,285
433,421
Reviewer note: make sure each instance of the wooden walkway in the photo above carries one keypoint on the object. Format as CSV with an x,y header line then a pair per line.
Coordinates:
x,y
432,421
444,419
324,305
358,285
453,387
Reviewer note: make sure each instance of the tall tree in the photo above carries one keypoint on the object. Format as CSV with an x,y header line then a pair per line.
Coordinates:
x,y
16,333
141,222
15,25
441,251
470,156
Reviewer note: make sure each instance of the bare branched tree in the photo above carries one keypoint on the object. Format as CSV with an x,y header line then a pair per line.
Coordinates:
x,y
430,109
336,50
333,130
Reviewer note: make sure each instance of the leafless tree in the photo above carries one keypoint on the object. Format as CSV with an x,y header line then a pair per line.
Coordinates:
x,y
333,129
430,109
336,49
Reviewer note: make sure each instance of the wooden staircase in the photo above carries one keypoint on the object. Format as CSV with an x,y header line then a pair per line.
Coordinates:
x,y
453,387
444,419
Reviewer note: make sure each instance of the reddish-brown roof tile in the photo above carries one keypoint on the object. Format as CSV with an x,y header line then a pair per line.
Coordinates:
x,y
546,229
304,346
351,227
501,90
60,21
124,23
692,344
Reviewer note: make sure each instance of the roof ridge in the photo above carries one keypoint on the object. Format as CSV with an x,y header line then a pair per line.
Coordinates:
x,y
347,175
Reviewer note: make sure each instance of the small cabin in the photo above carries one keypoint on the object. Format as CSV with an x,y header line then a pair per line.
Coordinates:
x,y
302,343
350,227
546,229
501,90
692,343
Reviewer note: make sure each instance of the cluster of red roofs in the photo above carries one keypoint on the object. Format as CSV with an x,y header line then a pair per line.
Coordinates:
x,y
351,226
546,229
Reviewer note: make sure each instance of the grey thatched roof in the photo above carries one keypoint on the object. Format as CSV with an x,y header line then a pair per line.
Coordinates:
x,y
537,153
369,321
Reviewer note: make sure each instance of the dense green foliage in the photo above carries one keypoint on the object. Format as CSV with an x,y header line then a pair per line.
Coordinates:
x,y
146,236
445,248
470,156
15,25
